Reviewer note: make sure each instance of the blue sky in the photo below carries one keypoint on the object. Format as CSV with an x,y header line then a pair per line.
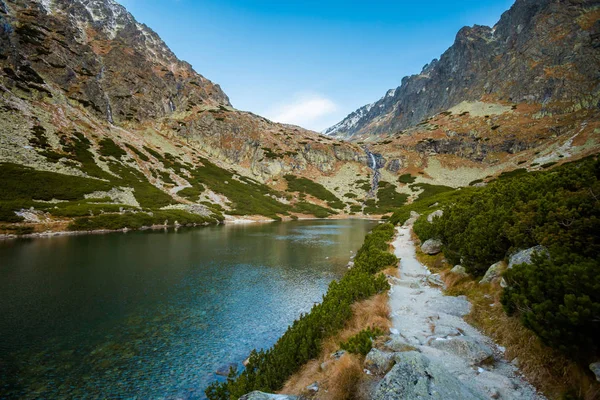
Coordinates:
x,y
310,62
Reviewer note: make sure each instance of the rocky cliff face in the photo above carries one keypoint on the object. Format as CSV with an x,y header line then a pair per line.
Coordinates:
x,y
86,90
544,52
99,56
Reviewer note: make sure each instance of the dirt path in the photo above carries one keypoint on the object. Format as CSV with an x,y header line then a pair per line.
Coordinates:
x,y
424,318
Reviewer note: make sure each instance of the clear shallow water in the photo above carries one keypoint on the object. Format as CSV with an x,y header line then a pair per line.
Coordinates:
x,y
155,314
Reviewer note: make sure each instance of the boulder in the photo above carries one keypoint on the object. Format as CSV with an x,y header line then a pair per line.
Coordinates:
x,y
398,344
313,388
459,270
435,214
432,246
417,377
465,347
436,280
256,395
595,368
379,362
223,370
493,272
524,256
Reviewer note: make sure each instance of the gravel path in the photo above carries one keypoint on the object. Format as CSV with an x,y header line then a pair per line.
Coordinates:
x,y
424,318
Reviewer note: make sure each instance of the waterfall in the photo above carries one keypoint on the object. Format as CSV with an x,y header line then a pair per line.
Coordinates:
x,y
375,167
109,114
171,105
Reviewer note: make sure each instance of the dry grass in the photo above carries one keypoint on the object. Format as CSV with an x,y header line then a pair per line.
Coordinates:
x,y
343,378
546,369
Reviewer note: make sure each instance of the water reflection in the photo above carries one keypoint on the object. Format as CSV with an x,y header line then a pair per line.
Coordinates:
x,y
154,314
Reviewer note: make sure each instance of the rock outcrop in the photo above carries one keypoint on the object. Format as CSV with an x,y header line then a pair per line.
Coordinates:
x,y
525,256
432,246
541,51
416,377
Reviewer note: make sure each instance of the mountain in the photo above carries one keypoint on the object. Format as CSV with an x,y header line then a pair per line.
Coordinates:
x,y
541,52
101,124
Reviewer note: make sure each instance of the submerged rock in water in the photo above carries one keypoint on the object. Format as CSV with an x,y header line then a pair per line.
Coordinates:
x,y
256,395
417,377
223,370
432,246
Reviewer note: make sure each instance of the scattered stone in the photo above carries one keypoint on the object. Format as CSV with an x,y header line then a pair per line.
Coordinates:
x,y
223,370
459,270
595,368
314,388
435,214
465,347
379,362
416,377
436,280
503,283
457,306
256,395
399,345
338,354
493,272
432,246
524,256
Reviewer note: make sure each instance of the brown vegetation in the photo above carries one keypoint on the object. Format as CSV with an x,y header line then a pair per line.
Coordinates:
x,y
343,378
548,370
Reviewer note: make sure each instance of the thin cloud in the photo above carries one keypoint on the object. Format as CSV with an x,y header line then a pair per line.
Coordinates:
x,y
309,111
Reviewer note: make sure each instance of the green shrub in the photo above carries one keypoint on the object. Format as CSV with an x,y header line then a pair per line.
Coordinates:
x,y
18,182
557,297
268,370
303,207
362,342
109,148
141,155
304,185
430,190
136,220
407,178
192,193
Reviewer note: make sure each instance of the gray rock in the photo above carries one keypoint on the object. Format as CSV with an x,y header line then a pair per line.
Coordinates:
x,y
379,362
436,280
595,368
465,347
432,246
256,395
524,256
457,306
435,214
338,354
314,388
398,344
223,370
493,272
416,377
459,270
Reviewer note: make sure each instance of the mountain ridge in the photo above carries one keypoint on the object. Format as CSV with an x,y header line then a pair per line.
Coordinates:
x,y
516,61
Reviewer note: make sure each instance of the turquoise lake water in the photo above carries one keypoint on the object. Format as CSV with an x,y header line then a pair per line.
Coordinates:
x,y
155,314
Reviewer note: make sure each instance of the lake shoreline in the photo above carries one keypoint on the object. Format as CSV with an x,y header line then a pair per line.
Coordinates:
x,y
230,220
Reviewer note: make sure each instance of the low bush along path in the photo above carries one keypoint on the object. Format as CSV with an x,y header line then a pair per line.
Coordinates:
x,y
438,354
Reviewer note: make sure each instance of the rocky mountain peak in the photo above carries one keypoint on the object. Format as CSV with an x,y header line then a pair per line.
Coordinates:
x,y
540,52
99,56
